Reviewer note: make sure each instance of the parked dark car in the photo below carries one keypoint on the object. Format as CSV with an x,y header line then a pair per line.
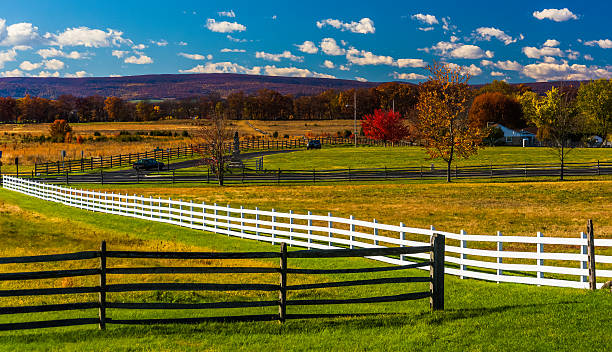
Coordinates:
x,y
148,164
314,144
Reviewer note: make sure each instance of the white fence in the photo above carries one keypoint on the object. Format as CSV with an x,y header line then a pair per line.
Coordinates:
x,y
467,256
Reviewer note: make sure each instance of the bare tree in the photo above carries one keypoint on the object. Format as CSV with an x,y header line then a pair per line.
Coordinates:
x,y
214,135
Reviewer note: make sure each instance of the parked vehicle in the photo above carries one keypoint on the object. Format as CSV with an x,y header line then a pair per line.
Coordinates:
x,y
148,164
314,144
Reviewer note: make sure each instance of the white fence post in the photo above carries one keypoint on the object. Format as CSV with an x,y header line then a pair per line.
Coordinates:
x,y
159,206
500,259
309,228
191,212
180,210
204,215
273,227
257,219
291,228
351,237
229,222
151,206
540,261
375,232
242,221
330,225
463,255
403,238
215,213
585,251
170,213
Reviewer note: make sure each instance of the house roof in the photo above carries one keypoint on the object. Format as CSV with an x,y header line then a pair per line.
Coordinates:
x,y
508,132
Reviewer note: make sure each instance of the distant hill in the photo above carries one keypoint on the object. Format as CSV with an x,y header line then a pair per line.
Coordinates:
x,y
187,85
170,86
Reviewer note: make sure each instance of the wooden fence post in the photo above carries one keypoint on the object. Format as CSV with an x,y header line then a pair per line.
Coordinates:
x,y
436,272
282,293
591,255
102,293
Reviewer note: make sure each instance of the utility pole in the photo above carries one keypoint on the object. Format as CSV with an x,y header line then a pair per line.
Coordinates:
x,y
355,116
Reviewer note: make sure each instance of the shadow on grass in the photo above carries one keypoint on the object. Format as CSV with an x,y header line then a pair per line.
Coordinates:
x,y
321,322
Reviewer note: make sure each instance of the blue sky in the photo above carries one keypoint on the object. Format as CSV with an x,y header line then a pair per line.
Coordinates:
x,y
518,41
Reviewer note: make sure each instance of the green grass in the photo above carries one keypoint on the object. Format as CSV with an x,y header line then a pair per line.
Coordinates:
x,y
478,316
365,157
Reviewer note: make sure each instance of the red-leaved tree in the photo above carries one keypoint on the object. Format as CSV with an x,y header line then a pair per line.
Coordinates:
x,y
385,126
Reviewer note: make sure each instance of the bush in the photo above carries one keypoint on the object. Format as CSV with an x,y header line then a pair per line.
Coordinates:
x,y
97,134
347,133
124,133
275,134
286,136
59,129
185,134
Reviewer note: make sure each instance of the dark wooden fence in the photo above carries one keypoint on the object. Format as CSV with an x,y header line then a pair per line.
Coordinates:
x,y
362,174
121,160
106,287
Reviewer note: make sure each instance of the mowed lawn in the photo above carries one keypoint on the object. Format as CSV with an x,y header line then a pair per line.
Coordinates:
x,y
478,316
366,157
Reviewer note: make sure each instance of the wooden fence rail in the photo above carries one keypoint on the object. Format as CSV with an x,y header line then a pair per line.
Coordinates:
x,y
242,176
542,260
107,288
122,160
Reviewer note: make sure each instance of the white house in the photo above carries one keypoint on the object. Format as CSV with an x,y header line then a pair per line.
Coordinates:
x,y
513,137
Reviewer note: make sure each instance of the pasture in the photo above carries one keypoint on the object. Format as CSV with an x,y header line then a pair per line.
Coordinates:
x,y
478,315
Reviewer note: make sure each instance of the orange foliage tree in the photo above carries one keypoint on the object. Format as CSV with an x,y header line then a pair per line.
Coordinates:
x,y
384,126
59,130
442,115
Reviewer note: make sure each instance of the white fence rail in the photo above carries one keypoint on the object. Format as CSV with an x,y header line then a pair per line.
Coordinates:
x,y
467,256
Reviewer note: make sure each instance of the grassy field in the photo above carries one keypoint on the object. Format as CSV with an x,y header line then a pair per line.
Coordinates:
x,y
478,315
363,157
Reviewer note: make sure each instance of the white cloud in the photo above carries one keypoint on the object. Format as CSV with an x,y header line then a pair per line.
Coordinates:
x,y
447,25
226,50
551,43
274,17
362,57
487,33
462,51
194,56
563,71
119,53
277,57
18,33
503,65
54,64
343,68
91,38
6,56
497,74
557,15
293,72
78,74
602,43
330,47
361,79
162,42
470,52
364,26
454,39
308,47
428,19
222,67
329,64
182,43
229,13
224,26
29,66
236,40
472,70
411,63
535,53
588,57
141,60
47,74
53,52
408,76
14,73
426,29
572,54
139,47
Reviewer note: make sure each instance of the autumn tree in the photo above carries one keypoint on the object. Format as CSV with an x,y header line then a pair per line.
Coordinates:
x,y
59,129
497,108
214,134
442,115
387,126
8,109
115,108
557,119
400,97
595,102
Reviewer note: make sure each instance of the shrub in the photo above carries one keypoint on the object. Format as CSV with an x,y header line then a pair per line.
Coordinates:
x,y
286,136
185,134
275,134
347,133
97,134
59,129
